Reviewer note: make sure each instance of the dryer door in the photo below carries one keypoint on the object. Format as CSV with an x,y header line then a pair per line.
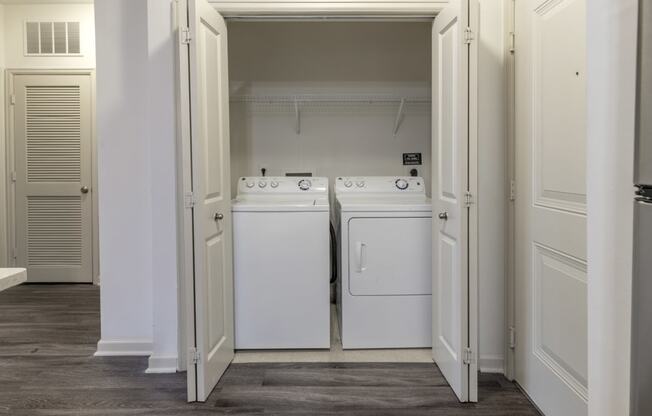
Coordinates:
x,y
390,256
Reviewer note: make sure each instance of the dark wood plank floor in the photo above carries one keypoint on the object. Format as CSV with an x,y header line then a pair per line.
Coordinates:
x,y
48,334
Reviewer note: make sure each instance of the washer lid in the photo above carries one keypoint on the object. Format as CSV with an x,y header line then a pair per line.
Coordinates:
x,y
281,204
359,203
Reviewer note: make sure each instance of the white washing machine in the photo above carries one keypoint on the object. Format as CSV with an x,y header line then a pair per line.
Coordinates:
x,y
385,240
281,263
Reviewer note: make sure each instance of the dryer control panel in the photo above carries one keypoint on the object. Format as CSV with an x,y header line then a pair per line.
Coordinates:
x,y
278,185
380,185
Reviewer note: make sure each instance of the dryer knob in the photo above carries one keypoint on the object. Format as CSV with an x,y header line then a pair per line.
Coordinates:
x,y
348,184
262,184
401,184
273,184
250,184
304,184
360,184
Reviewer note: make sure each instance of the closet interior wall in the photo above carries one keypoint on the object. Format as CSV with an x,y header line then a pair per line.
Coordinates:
x,y
341,62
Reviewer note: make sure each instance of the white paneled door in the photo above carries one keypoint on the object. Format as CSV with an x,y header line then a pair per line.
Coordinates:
x,y
551,276
207,104
454,291
52,131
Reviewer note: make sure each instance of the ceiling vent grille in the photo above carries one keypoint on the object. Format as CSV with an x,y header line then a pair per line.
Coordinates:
x,y
52,38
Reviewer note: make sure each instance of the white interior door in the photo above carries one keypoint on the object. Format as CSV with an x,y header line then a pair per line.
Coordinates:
x,y
52,132
551,278
211,210
454,291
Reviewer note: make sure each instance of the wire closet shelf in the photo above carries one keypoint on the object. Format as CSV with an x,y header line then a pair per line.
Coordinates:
x,y
297,101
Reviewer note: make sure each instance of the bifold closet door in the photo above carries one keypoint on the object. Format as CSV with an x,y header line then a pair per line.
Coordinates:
x,y
52,131
454,291
207,104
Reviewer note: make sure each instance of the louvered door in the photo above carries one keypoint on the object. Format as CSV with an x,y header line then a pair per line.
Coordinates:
x,y
52,142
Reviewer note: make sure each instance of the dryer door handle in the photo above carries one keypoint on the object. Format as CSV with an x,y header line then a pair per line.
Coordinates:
x,y
362,256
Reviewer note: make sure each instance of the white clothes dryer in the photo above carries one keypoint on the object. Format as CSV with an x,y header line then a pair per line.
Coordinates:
x,y
384,243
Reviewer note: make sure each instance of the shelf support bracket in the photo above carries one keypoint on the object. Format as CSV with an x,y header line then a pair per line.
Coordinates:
x,y
297,116
399,116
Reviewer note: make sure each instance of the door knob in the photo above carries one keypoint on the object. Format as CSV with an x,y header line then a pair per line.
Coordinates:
x,y
84,189
218,216
443,215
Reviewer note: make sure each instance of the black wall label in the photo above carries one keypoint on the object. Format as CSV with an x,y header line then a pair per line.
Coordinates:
x,y
411,158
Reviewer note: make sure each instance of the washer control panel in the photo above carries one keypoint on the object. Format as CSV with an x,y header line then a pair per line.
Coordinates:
x,y
281,185
380,184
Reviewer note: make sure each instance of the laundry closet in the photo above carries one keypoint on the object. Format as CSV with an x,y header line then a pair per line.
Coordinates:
x,y
345,102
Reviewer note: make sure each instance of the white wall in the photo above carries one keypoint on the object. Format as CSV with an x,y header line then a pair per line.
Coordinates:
x,y
124,180
12,19
137,181
329,59
15,16
611,56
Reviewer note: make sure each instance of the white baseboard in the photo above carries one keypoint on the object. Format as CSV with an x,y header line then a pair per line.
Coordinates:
x,y
492,364
162,364
123,347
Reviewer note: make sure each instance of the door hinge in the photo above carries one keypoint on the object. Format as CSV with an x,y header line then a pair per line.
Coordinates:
x,y
189,200
14,176
194,356
512,337
512,190
468,356
468,35
12,99
185,35
468,199
512,42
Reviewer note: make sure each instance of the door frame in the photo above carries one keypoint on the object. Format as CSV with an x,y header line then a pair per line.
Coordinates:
x,y
510,260
354,11
10,161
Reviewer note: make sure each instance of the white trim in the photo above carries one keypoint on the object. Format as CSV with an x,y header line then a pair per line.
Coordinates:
x,y
492,364
510,260
126,347
324,8
161,364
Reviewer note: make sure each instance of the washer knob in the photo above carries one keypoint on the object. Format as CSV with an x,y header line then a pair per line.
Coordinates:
x,y
360,184
401,184
262,184
304,184
348,184
273,184
250,184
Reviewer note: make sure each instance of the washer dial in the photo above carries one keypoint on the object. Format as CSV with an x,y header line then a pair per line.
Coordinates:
x,y
304,184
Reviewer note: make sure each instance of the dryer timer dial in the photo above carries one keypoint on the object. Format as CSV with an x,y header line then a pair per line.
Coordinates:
x,y
401,184
304,184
